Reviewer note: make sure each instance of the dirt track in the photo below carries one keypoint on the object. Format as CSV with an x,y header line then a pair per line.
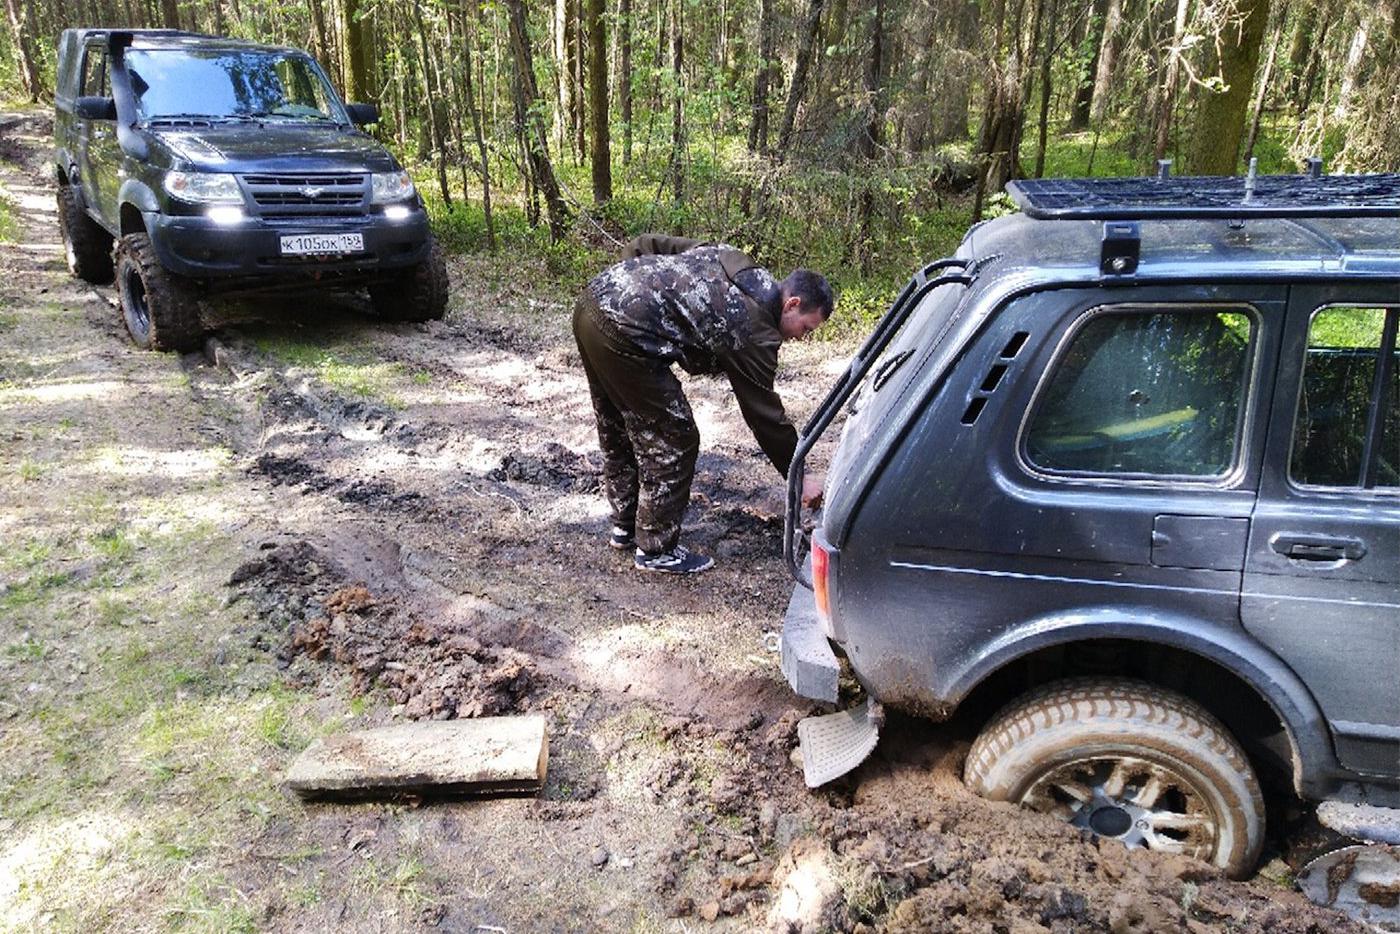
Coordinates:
x,y
418,523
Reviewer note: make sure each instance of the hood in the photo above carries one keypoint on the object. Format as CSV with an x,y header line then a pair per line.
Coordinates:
x,y
275,147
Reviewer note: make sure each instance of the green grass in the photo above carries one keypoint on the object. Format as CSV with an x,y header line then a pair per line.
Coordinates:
x,y
9,223
349,371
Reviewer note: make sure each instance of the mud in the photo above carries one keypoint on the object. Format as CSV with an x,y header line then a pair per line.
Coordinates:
x,y
445,556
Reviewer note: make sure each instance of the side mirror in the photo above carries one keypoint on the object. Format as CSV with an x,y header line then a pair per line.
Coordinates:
x,y
362,114
95,108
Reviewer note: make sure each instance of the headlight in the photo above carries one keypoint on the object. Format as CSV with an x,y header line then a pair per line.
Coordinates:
x,y
390,186
203,187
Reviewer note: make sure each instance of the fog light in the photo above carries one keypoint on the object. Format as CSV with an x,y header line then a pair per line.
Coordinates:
x,y
397,212
225,215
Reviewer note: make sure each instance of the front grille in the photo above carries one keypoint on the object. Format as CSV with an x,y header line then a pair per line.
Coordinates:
x,y
308,195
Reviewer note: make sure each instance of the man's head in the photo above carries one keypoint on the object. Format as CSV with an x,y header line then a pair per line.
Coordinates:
x,y
807,303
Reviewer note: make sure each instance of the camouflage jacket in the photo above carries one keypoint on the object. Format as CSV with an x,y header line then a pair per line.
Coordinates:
x,y
710,309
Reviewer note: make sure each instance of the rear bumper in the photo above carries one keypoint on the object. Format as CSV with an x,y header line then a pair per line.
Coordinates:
x,y
199,248
807,661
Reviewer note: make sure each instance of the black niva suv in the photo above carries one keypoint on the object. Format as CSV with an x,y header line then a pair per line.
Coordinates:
x,y
190,164
1127,468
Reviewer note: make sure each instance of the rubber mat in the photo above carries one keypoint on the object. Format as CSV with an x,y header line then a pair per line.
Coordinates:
x,y
836,743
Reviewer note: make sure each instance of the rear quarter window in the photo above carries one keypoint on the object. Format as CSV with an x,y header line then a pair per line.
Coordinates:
x,y
1155,392
1347,429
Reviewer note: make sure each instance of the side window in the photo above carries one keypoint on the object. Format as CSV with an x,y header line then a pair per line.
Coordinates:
x,y
94,83
1146,393
1347,432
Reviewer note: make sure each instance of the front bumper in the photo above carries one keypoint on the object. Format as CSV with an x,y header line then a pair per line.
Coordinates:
x,y
196,247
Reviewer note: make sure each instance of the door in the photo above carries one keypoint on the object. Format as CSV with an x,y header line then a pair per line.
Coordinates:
x,y
1322,573
99,155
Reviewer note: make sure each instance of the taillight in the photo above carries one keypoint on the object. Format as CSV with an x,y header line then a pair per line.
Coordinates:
x,y
821,564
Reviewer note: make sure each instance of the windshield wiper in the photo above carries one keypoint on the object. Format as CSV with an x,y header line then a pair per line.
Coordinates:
x,y
274,115
184,118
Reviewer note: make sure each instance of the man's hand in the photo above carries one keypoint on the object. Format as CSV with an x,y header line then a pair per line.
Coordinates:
x,y
812,487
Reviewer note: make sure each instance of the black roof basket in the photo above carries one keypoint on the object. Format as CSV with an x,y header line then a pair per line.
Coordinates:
x,y
1228,197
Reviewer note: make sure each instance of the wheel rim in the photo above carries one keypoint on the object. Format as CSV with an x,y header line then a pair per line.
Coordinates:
x,y
1135,801
138,315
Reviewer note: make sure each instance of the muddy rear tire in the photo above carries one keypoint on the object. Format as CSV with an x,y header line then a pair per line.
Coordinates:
x,y
86,246
1129,761
416,294
161,309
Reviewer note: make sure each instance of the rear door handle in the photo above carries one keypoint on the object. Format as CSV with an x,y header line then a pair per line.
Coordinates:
x,y
1301,547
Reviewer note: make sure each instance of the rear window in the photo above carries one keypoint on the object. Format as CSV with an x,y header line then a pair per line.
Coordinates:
x,y
1146,393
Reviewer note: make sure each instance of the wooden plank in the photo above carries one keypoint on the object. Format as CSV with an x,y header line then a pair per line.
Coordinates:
x,y
492,755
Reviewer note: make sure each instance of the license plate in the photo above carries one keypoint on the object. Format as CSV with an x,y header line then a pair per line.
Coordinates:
x,y
320,244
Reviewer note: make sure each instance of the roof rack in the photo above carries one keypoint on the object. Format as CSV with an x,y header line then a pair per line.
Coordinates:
x,y
1228,197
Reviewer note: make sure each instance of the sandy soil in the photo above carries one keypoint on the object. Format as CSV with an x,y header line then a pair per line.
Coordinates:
x,y
431,539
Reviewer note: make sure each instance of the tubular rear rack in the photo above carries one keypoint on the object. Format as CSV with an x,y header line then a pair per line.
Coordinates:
x,y
919,286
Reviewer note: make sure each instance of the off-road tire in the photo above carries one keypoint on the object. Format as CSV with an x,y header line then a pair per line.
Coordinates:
x,y
86,246
1095,720
161,309
418,293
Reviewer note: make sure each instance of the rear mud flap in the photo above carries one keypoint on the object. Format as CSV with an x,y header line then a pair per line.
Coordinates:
x,y
1362,881
836,743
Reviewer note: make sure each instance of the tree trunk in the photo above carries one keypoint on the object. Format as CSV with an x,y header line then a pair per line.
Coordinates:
x,y
806,45
763,74
1043,125
601,155
485,167
24,45
1220,120
1314,62
678,166
355,51
572,90
1300,52
1083,105
529,126
170,14
318,23
1356,54
1167,100
433,100
624,84
873,136
1107,60
955,79
455,97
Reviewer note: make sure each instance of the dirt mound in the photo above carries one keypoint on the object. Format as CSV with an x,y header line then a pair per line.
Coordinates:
x,y
290,471
433,673
553,466
742,531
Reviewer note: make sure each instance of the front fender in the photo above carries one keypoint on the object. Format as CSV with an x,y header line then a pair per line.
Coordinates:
x,y
1314,761
139,195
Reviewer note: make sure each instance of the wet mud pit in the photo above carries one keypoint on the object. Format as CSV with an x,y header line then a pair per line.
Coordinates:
x,y
439,550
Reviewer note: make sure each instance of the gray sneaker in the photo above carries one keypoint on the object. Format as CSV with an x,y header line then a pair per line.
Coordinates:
x,y
621,538
676,561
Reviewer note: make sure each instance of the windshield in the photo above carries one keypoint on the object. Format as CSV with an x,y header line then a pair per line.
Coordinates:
x,y
230,84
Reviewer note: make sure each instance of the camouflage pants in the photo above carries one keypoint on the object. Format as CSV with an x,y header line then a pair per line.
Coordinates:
x,y
645,429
